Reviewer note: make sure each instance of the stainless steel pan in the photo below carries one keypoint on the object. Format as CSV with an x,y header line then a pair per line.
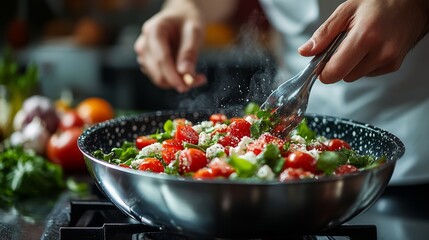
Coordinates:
x,y
229,209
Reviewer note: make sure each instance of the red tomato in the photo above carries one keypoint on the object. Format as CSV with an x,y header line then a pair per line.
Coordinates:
x,y
143,141
337,144
294,173
218,118
266,138
62,149
239,128
321,147
185,133
169,149
204,173
123,165
345,169
301,160
221,168
151,165
70,119
191,160
228,141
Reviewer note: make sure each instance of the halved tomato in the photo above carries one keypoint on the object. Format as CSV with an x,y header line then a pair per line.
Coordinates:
x,y
143,141
185,133
191,160
151,165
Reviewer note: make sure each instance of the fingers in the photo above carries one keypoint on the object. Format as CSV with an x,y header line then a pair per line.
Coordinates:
x,y
191,41
378,39
156,54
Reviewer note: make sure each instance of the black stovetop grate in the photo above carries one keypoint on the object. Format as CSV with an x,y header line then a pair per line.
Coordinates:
x,y
101,220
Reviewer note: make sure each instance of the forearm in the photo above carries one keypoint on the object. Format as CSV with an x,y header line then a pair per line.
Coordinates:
x,y
207,10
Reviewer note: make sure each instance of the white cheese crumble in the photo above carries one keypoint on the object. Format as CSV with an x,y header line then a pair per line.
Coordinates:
x,y
241,147
249,156
213,150
204,138
266,173
314,153
298,139
250,119
150,149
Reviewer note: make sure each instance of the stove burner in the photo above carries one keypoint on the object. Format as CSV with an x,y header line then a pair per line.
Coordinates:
x,y
99,219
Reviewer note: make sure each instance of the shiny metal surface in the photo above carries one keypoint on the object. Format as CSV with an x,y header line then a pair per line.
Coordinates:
x,y
227,209
290,100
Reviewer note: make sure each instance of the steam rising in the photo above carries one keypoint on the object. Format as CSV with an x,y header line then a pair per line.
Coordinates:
x,y
242,74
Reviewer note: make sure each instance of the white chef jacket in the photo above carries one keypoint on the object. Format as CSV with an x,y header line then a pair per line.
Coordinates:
x,y
397,102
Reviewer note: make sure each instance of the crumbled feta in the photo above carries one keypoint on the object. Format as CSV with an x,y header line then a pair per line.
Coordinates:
x,y
204,138
314,153
150,149
241,147
249,156
265,172
198,128
250,119
298,139
206,124
136,163
221,126
213,150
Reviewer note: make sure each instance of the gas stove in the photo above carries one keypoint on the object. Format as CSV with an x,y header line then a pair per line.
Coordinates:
x,y
97,218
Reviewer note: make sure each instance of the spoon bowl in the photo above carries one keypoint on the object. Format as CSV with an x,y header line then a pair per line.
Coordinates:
x,y
289,101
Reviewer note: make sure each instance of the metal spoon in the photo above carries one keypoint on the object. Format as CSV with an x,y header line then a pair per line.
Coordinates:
x,y
289,101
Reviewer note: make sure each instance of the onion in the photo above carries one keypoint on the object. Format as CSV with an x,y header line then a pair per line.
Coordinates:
x,y
33,136
37,106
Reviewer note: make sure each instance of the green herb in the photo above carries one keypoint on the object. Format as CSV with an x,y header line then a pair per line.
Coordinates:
x,y
251,108
25,174
329,161
244,168
166,134
19,85
305,131
271,157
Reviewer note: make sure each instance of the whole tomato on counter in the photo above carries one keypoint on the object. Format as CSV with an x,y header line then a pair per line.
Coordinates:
x,y
62,149
94,110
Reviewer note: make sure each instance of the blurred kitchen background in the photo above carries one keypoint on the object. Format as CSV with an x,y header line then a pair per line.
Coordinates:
x,y
84,48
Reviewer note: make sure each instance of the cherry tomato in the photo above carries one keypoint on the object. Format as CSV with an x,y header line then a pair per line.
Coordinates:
x,y
185,133
123,165
321,147
143,141
266,138
294,173
218,118
239,128
228,141
62,149
191,160
151,165
337,144
69,119
221,168
204,173
301,160
169,149
345,169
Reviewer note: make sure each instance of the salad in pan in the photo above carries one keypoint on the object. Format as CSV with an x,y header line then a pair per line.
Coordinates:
x,y
244,147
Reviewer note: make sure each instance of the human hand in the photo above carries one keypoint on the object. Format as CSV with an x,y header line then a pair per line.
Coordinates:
x,y
380,34
167,48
